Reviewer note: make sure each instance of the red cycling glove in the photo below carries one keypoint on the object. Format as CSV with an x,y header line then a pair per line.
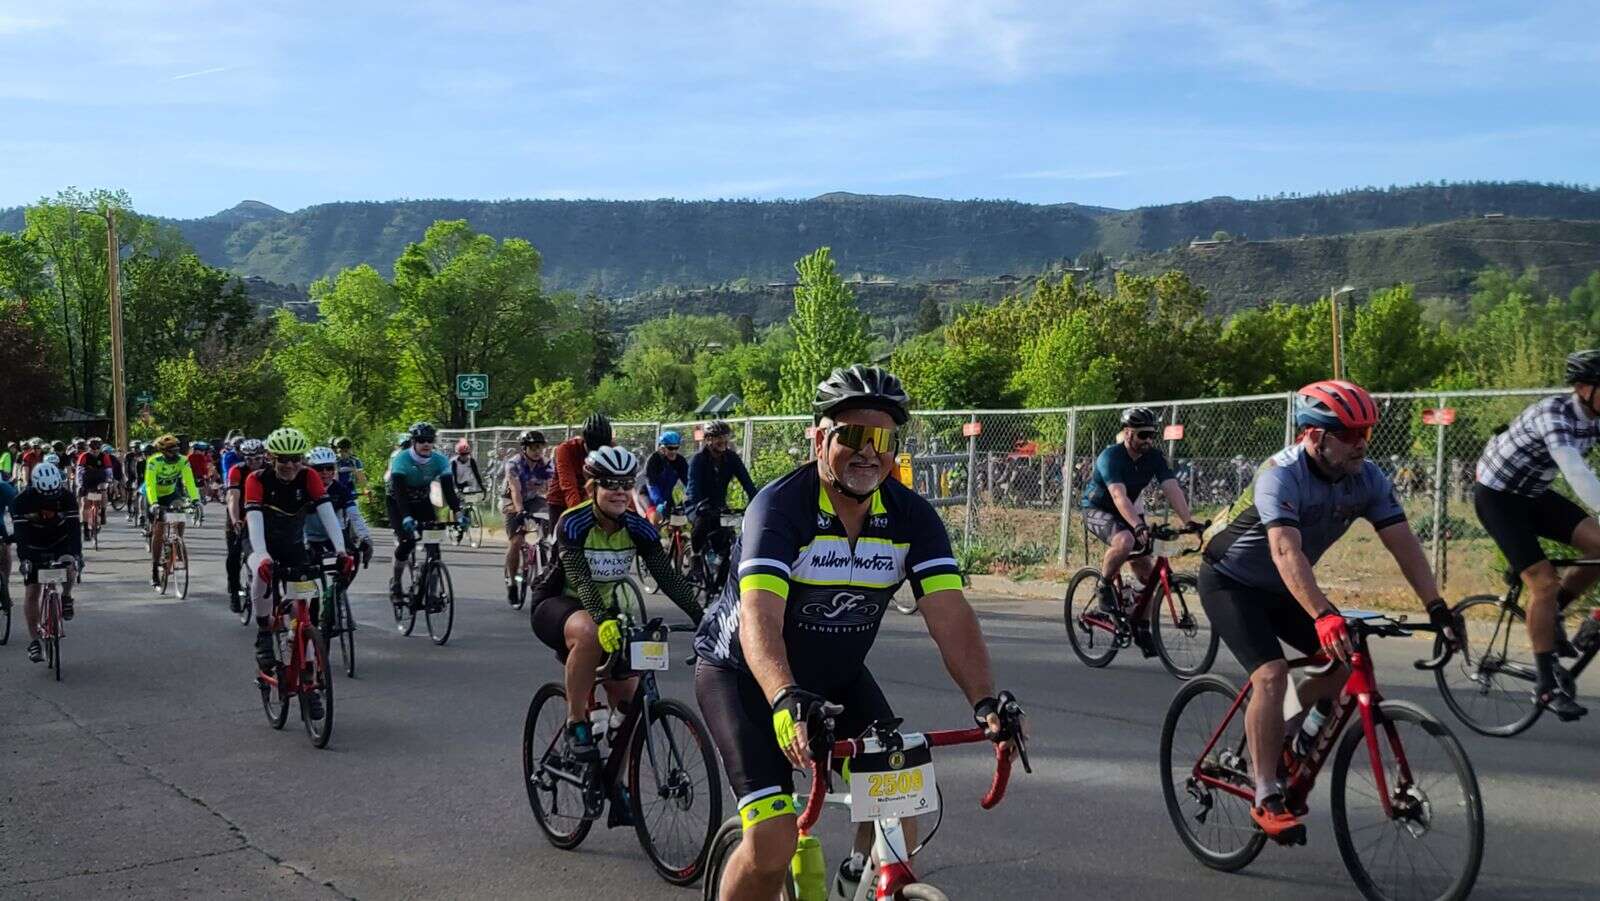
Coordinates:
x,y
1331,631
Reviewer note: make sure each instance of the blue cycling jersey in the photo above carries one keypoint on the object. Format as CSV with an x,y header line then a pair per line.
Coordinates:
x,y
709,478
415,474
661,475
1115,466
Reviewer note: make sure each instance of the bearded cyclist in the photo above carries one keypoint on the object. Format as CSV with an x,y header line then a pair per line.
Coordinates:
x,y
823,550
710,472
1257,583
1516,507
412,472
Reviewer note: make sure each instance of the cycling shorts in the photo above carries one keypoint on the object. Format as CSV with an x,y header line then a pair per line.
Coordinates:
x,y
1516,522
740,720
169,502
550,614
1104,525
1252,621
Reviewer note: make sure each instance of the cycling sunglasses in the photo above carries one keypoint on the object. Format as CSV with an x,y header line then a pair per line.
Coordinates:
x,y
287,459
1145,434
670,447
615,484
325,468
857,437
1351,436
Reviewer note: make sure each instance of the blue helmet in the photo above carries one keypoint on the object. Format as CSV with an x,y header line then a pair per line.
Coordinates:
x,y
669,438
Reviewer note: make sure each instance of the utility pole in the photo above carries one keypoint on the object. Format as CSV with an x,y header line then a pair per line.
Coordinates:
x,y
1334,295
119,387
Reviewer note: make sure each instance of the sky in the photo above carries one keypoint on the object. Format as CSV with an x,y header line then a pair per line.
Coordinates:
x,y
194,106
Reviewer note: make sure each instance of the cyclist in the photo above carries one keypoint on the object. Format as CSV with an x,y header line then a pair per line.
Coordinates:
x,y
1112,506
8,496
8,459
710,471
1257,583
31,457
277,498
134,470
566,489
229,458
527,477
252,456
200,463
94,473
574,612
351,470
1516,506
412,471
161,476
663,472
44,515
824,549
464,469
326,465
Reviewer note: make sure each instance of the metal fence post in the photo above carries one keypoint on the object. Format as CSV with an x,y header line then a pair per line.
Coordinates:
x,y
1439,486
1288,419
1069,468
749,439
972,484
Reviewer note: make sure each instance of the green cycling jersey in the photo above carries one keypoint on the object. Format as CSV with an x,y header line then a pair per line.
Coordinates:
x,y
161,478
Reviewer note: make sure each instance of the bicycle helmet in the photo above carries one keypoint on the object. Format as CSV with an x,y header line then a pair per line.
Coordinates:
x,y
597,431
610,463
463,446
110,448
341,443
669,438
251,447
718,428
861,388
288,442
531,436
53,459
1140,418
46,477
321,456
422,431
1583,367
202,446
165,443
1334,404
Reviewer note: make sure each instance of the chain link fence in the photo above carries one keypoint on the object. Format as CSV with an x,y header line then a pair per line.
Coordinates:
x,y
1009,482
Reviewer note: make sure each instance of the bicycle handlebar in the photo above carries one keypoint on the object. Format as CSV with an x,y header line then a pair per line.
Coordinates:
x,y
1388,627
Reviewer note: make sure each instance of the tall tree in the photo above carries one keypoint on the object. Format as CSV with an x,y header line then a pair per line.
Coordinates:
x,y
340,371
829,329
929,316
174,303
28,389
603,341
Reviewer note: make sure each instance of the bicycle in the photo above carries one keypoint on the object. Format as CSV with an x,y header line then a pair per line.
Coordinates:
x,y
891,776
97,515
1174,625
302,670
675,537
51,627
535,553
670,760
174,557
1495,696
116,493
336,619
197,511
470,525
712,573
1209,790
429,591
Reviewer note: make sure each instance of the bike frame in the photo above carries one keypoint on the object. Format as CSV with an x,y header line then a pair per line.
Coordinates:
x,y
1143,609
290,685
1509,603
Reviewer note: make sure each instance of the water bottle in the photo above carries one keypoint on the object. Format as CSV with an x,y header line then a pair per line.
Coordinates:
x,y
809,869
1131,587
1315,717
599,718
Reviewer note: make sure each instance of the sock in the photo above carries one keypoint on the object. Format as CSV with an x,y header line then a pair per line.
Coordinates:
x,y
1564,598
1546,663
1263,792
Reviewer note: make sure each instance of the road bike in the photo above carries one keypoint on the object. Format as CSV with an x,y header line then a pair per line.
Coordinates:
x,y
675,541
427,589
672,790
712,572
334,610
96,510
1163,617
470,523
1491,690
302,671
174,562
1410,827
51,625
535,553
891,777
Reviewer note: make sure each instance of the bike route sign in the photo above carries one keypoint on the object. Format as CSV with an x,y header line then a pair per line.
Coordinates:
x,y
473,405
472,386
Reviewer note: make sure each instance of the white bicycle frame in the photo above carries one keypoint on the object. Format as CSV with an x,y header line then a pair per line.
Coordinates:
x,y
888,835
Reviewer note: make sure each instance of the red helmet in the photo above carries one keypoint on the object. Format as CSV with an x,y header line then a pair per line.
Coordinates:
x,y
1334,404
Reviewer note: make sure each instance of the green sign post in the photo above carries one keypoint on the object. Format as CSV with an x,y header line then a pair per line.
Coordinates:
x,y
472,388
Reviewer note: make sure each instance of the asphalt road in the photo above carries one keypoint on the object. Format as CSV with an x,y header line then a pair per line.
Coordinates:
x,y
151,772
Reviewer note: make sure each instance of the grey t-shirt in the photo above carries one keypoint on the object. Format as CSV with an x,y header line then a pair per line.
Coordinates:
x,y
1289,491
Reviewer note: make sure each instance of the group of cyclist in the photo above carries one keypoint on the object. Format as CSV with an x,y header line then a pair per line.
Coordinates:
x,y
824,547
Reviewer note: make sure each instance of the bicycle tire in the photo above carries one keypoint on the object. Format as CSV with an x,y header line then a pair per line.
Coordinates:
x,y
322,684
1095,647
1514,710
475,528
723,843
273,700
680,789
630,596
525,579
405,615
246,614
116,502
1186,599
180,563
1240,825
1471,802
437,584
347,632
921,891
535,744
52,655
5,616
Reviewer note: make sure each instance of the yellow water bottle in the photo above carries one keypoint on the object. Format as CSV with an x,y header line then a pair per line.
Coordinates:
x,y
809,869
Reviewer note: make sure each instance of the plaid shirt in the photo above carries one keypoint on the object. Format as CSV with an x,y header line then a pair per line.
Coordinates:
x,y
1518,460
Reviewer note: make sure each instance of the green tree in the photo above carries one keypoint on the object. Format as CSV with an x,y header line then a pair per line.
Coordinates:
x,y
1064,367
753,370
553,403
209,397
173,302
829,330
604,346
1390,348
929,316
29,392
340,370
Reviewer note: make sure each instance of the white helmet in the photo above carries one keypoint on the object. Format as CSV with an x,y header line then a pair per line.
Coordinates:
x,y
321,456
46,477
610,463
53,460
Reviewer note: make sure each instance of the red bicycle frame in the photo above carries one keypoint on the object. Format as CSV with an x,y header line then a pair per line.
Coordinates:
x,y
1161,579
298,640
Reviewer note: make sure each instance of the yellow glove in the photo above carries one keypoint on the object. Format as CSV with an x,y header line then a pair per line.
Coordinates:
x,y
610,635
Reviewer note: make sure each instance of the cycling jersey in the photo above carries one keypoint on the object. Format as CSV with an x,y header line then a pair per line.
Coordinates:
x,y
662,474
200,462
609,558
1115,466
93,470
46,525
1289,490
465,471
348,467
532,478
795,547
161,478
414,474
566,486
343,498
283,506
709,477
1521,459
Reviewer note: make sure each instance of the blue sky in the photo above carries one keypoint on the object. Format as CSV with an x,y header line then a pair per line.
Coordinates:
x,y
193,106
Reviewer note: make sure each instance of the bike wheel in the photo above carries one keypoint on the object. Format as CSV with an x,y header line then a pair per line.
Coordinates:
x,y
723,844
557,805
405,616
1433,844
475,529
273,701
1094,644
180,564
1489,683
246,615
52,655
439,603
675,790
630,600
116,501
1183,635
347,633
1214,824
318,681
921,891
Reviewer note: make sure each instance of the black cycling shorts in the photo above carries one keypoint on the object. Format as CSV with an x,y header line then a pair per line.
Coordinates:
x,y
1516,522
740,720
1104,525
1252,622
550,615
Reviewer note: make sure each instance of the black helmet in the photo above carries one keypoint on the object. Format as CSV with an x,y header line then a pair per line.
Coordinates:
x,y
531,436
861,388
597,431
718,428
1140,418
1584,367
341,443
422,431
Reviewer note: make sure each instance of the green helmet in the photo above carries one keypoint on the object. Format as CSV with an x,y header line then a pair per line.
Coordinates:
x,y
288,442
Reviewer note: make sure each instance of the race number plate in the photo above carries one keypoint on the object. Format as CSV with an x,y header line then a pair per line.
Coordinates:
x,y
892,784
300,589
649,655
